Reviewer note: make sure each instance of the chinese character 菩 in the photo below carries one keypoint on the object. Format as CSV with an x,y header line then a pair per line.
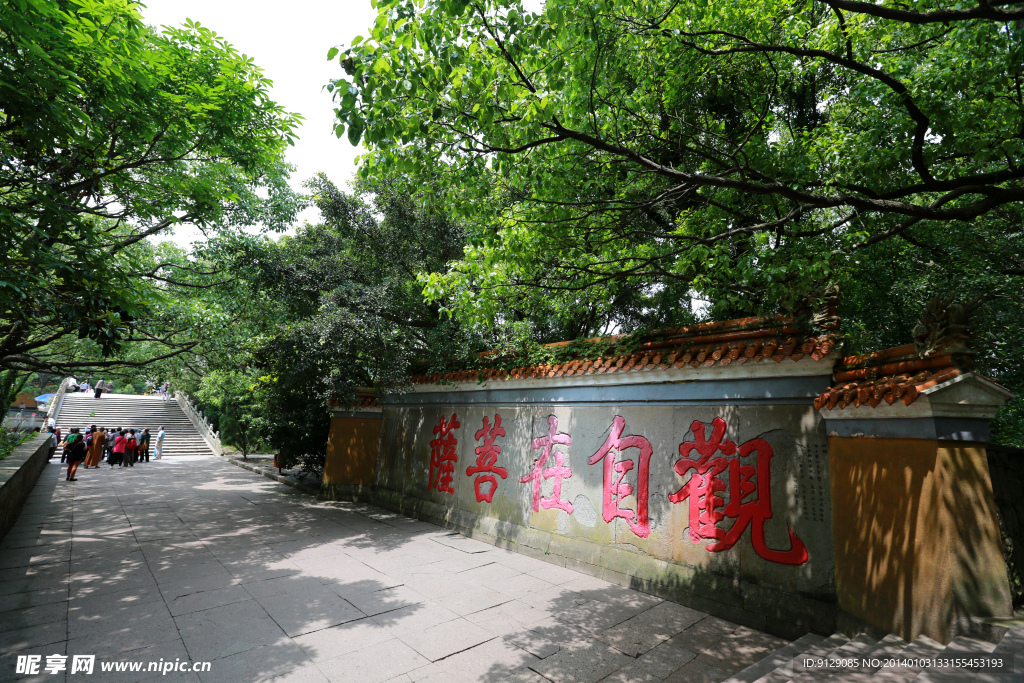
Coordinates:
x,y
487,461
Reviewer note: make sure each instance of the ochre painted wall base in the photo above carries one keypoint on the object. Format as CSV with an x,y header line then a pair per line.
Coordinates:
x,y
916,538
352,451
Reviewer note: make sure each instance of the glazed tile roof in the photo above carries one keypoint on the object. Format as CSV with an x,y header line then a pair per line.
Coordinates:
x,y
745,340
890,375
364,399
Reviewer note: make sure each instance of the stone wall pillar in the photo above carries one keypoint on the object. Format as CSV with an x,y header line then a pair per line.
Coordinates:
x,y
915,530
351,463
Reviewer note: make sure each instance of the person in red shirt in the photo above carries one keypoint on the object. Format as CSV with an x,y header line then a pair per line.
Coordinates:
x,y
117,453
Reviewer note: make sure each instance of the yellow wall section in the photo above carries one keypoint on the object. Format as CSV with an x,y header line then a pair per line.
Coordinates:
x,y
915,532
352,451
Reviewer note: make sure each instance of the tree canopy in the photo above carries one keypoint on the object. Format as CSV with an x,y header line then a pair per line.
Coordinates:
x,y
744,149
110,133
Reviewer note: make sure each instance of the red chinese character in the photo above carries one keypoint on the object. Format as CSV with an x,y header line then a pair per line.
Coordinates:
x,y
707,508
487,460
614,489
559,472
443,456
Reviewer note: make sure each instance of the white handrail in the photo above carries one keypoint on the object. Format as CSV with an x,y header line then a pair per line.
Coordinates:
x,y
201,424
57,399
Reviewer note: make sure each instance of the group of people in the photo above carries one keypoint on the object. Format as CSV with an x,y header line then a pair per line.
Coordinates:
x,y
85,387
117,447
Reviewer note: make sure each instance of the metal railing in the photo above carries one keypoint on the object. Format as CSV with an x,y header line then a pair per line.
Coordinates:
x,y
197,419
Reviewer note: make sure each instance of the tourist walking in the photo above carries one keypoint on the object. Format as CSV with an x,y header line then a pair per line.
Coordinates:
x,y
158,452
76,453
144,445
131,446
99,441
53,442
100,386
117,452
108,445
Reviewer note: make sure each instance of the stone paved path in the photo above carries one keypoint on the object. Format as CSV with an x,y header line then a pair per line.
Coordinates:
x,y
196,559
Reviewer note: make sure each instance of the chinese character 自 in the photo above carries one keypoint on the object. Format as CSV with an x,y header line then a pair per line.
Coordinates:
x,y
615,490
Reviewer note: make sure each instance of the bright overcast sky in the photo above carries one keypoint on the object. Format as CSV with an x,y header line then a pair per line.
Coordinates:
x,y
289,40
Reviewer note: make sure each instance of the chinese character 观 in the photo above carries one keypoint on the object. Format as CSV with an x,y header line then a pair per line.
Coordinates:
x,y
707,508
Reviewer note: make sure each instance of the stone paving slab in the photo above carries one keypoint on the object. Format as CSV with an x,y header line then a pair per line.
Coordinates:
x,y
193,559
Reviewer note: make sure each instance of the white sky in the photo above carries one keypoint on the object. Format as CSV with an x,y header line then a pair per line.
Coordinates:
x,y
289,41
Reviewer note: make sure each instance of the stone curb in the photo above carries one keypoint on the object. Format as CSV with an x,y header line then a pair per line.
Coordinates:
x,y
19,473
271,473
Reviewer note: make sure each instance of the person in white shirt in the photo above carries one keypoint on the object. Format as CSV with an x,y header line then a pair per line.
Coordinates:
x,y
100,386
158,450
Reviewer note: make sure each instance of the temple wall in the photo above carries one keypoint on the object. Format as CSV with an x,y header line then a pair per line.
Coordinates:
x,y
762,557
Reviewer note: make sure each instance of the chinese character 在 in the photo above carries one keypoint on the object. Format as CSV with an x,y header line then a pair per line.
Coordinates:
x,y
82,664
443,456
712,475
615,490
28,664
56,663
559,472
487,461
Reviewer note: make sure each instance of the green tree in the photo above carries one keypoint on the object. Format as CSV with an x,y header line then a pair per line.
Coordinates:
x,y
111,133
742,149
315,317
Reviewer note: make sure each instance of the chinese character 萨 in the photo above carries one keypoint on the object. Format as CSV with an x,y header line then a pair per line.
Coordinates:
x,y
443,456
712,475
487,461
615,490
559,472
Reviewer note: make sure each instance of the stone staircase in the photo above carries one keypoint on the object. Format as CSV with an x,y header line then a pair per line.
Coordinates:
x,y
130,411
786,665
